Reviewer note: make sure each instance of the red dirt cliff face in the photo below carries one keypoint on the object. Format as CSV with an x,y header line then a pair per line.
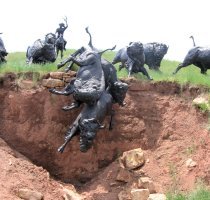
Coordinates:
x,y
158,117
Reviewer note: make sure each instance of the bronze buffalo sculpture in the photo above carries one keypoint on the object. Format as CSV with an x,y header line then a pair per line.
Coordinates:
x,y
132,58
153,52
42,51
3,52
198,56
97,87
89,121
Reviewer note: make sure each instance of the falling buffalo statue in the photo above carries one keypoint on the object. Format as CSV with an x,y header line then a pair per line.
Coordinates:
x,y
89,122
198,56
3,52
95,86
41,51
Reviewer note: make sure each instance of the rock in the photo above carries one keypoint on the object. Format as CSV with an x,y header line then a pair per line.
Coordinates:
x,y
57,75
26,84
68,79
190,163
30,194
201,102
139,194
132,159
52,83
157,196
28,75
71,195
146,183
45,76
69,74
123,175
123,195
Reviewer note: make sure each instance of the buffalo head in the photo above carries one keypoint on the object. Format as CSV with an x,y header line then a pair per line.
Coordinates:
x,y
88,129
50,38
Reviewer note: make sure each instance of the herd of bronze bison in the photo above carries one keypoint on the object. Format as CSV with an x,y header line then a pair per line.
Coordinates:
x,y
96,86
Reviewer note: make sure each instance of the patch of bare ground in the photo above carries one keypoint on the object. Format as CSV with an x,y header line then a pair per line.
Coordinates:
x,y
158,117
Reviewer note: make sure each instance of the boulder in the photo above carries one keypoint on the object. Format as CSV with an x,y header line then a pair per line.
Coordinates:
x,y
123,175
146,183
57,75
28,194
157,196
71,195
52,83
139,194
132,159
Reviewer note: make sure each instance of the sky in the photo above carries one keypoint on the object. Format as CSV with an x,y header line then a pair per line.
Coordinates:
x,y
111,22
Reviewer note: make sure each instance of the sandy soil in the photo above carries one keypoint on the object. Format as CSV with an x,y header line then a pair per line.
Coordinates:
x,y
158,117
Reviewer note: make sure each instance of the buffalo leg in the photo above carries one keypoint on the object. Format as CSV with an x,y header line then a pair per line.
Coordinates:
x,y
70,134
64,46
130,68
75,104
69,89
111,120
61,53
57,51
121,66
144,71
179,67
203,69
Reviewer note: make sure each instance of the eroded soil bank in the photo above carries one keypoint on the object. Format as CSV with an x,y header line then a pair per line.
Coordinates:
x,y
158,117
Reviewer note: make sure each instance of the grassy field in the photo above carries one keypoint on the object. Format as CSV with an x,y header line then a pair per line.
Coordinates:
x,y
16,62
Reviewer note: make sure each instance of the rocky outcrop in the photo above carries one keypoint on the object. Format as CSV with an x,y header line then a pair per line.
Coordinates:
x,y
58,79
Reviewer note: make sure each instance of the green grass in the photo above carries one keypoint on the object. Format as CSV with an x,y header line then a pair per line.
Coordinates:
x,y
200,193
190,74
16,62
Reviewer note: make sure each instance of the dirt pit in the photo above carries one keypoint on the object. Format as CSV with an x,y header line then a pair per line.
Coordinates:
x,y
158,117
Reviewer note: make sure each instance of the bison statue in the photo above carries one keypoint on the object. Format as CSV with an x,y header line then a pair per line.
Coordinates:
x,y
198,56
42,51
97,87
132,58
154,53
3,52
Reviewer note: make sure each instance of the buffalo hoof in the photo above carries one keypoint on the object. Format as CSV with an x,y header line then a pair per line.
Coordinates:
x,y
52,90
72,106
120,67
59,65
123,104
